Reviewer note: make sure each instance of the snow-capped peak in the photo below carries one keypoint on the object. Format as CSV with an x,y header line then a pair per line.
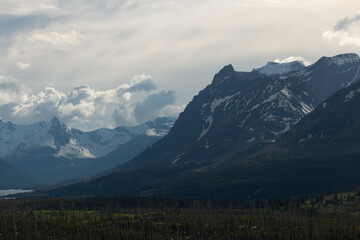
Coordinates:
x,y
341,59
274,68
73,150
62,141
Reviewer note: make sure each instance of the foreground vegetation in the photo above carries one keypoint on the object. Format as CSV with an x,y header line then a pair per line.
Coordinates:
x,y
323,217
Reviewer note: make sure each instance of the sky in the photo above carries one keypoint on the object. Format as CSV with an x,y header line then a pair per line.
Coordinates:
x,y
117,62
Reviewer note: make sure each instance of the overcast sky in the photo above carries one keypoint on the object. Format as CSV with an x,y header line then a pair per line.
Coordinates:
x,y
108,63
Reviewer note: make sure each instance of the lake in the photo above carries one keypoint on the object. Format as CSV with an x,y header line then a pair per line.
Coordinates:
x,y
12,191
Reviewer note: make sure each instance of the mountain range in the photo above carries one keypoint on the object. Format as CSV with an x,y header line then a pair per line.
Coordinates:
x,y
52,151
250,135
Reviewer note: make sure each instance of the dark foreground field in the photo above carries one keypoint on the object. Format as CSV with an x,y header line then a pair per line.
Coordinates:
x,y
323,217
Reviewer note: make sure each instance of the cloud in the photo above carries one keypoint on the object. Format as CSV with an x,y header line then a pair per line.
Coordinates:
x,y
172,110
123,116
56,38
345,32
141,82
76,112
12,90
150,107
292,59
344,24
39,107
23,66
83,106
146,84
19,7
181,43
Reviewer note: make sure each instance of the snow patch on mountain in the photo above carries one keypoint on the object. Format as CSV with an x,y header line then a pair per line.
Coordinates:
x,y
271,98
286,92
218,102
74,150
344,59
251,140
12,135
287,128
177,158
102,141
351,94
208,123
306,108
154,133
356,77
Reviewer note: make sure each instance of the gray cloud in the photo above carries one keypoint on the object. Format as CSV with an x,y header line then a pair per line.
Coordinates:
x,y
344,24
13,25
11,90
145,85
10,87
151,106
123,116
21,8
345,32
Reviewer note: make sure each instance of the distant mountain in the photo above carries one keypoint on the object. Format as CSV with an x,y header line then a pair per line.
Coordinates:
x,y
329,74
51,151
224,143
11,178
275,68
122,154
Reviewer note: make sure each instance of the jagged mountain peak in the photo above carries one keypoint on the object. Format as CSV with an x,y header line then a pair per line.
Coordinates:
x,y
227,69
56,123
60,132
10,126
55,120
224,73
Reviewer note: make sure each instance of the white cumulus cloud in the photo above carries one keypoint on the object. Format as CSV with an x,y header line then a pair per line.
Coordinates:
x,y
292,59
86,107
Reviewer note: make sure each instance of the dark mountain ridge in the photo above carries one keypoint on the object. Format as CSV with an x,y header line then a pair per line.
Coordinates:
x,y
224,143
